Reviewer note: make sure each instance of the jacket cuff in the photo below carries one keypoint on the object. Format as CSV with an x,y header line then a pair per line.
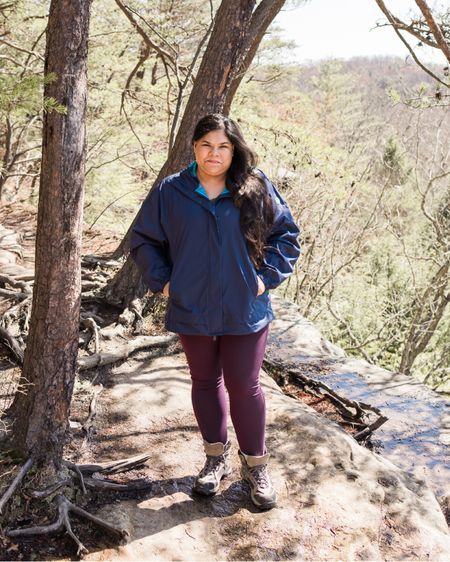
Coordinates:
x,y
154,285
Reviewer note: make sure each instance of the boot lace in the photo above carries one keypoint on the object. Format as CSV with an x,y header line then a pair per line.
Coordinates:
x,y
212,464
261,476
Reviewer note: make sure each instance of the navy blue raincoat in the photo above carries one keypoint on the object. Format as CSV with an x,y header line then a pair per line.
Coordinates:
x,y
198,245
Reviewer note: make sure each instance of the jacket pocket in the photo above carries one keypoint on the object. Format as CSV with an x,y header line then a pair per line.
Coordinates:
x,y
187,291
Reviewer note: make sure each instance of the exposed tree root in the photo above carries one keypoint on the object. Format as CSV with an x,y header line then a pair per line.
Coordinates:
x,y
16,295
113,331
48,490
122,352
91,325
74,467
88,482
136,308
91,285
65,507
12,344
356,411
15,283
88,426
90,314
95,273
15,483
14,310
97,276
96,261
84,474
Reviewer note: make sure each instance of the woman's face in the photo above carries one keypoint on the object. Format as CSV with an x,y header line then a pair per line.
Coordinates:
x,y
213,153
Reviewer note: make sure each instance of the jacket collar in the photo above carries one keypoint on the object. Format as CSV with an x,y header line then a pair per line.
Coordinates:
x,y
200,189
187,182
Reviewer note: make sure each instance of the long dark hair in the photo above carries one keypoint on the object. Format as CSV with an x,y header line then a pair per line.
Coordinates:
x,y
247,188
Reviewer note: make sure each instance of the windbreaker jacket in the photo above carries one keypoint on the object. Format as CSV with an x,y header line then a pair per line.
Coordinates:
x,y
198,245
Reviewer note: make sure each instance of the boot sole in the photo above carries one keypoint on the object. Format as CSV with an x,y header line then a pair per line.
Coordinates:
x,y
264,506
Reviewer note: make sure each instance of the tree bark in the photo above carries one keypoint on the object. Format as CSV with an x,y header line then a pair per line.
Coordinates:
x,y
434,28
41,411
235,38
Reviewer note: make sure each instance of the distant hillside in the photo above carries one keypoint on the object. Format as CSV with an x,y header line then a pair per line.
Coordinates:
x,y
375,74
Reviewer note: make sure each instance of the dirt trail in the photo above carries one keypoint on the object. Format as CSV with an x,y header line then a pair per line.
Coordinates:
x,y
337,499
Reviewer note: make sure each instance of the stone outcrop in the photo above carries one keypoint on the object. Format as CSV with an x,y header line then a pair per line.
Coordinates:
x,y
337,500
416,436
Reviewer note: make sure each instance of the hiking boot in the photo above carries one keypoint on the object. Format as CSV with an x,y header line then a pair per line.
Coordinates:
x,y
254,471
217,466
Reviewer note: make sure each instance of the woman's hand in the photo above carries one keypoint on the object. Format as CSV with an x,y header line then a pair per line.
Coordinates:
x,y
166,289
261,286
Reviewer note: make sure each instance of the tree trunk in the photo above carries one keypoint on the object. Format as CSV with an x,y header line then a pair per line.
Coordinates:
x,y
40,413
234,41
261,19
431,308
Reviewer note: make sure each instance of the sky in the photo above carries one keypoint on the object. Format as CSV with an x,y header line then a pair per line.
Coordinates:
x,y
345,28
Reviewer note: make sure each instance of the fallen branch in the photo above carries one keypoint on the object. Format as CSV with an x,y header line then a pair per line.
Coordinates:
x,y
114,467
367,431
137,485
85,472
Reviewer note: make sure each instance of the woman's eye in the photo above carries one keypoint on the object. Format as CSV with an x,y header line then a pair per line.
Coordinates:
x,y
220,147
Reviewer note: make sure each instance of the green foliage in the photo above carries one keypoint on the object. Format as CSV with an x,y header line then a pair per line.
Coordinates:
x,y
20,96
351,158
394,160
394,95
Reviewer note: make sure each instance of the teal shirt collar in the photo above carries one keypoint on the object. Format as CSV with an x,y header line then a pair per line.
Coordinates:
x,y
200,189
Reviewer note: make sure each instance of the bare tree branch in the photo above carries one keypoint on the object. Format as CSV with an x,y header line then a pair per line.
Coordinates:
x,y
394,22
22,49
434,28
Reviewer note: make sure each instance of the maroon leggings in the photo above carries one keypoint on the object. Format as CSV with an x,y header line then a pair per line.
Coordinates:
x,y
231,362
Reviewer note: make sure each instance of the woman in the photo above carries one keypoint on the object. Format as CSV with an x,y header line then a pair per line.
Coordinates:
x,y
215,238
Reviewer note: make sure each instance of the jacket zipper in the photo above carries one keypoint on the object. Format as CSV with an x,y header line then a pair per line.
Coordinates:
x,y
220,258
217,224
